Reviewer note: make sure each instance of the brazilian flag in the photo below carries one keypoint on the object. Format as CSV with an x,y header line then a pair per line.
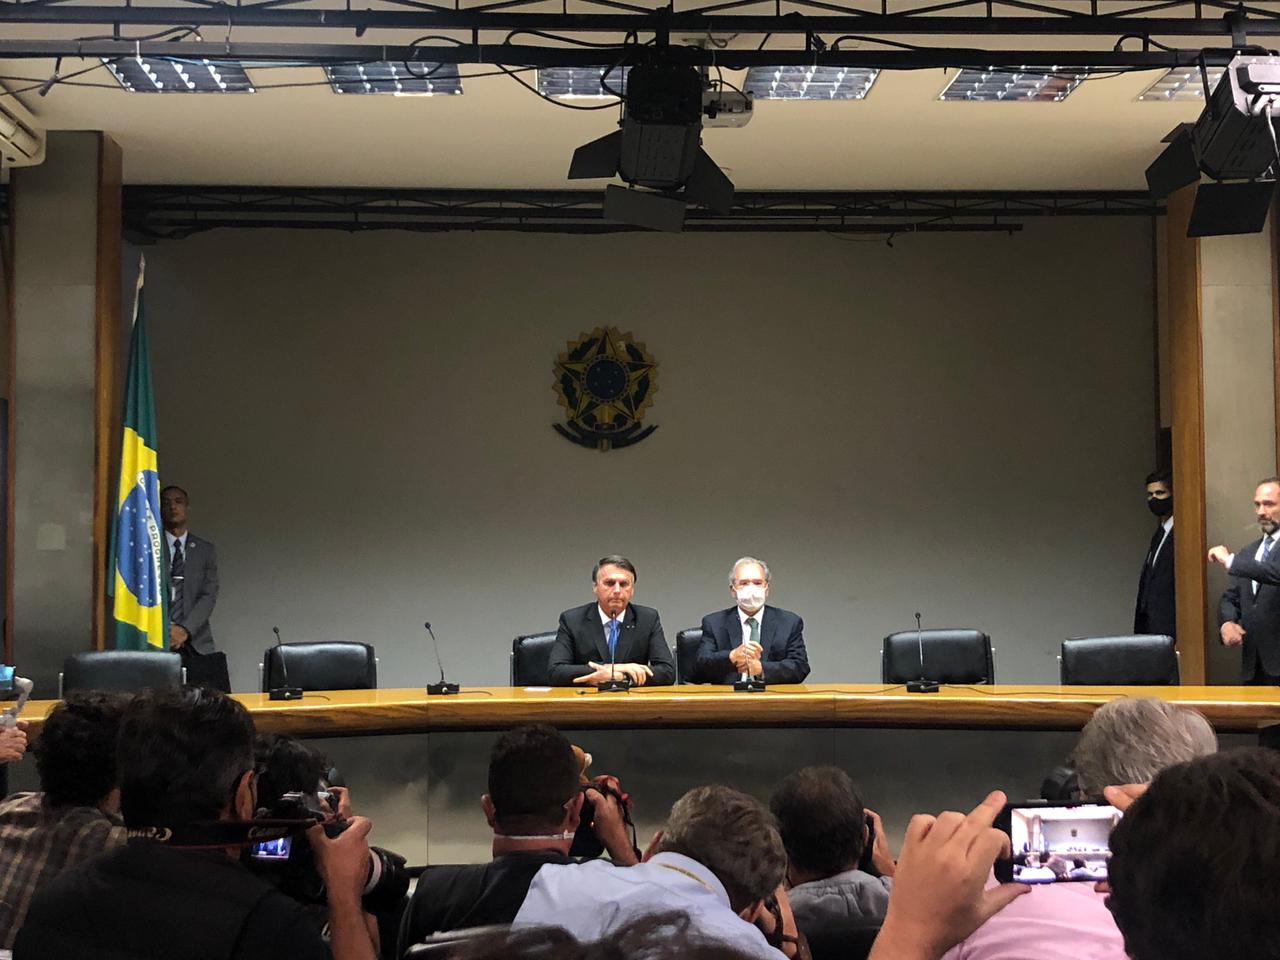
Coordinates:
x,y
136,580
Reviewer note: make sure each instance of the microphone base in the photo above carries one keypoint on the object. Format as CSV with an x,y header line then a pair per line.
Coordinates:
x,y
442,689
752,685
614,686
922,686
285,693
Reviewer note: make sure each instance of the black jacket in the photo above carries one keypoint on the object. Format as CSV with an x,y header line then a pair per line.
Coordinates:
x,y
581,638
781,635
1259,614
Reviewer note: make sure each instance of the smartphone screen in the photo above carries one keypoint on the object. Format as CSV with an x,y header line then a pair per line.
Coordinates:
x,y
273,849
1070,843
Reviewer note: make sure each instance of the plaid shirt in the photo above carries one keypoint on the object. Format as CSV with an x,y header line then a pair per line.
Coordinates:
x,y
38,843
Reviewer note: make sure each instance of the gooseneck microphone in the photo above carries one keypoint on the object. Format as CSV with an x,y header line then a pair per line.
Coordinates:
x,y
444,688
283,691
922,685
613,684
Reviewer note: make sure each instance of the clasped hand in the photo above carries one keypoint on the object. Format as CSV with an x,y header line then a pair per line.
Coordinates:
x,y
746,658
637,673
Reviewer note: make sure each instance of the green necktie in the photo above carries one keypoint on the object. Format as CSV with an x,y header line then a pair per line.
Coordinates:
x,y
754,624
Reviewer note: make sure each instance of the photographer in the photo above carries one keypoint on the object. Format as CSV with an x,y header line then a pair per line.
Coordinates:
x,y
185,762
293,783
839,866
534,807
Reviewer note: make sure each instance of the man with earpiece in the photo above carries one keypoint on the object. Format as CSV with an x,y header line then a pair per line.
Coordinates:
x,y
751,639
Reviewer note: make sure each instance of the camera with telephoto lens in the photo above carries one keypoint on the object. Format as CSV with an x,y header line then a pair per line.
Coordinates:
x,y
289,862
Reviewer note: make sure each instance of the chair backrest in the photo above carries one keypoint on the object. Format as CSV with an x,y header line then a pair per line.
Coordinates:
x,y
446,943
950,656
847,940
687,643
326,665
121,671
531,659
1145,660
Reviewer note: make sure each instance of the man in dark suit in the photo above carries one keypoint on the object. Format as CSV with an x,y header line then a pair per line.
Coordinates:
x,y
751,639
1250,607
1155,610
534,808
193,591
611,637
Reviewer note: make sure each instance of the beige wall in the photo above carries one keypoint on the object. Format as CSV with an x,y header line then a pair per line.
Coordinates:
x,y
1239,403
55,274
957,425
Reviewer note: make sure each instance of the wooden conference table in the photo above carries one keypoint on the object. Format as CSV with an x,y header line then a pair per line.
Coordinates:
x,y
1005,706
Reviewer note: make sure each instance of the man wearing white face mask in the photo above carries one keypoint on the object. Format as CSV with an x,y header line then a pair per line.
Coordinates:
x,y
751,639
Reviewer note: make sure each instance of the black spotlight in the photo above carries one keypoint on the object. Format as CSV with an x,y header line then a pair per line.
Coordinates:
x,y
1234,142
657,150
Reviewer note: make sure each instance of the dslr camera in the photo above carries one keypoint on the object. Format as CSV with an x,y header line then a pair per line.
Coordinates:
x,y
289,864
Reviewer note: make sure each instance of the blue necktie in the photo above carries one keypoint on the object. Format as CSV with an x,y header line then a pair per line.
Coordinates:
x,y
613,639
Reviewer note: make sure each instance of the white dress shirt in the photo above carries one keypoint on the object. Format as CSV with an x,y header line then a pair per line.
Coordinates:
x,y
1168,525
595,898
746,630
170,539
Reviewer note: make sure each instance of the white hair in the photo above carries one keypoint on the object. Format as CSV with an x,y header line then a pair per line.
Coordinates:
x,y
1131,739
733,571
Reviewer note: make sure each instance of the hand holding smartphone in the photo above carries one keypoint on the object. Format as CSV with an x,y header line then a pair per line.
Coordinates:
x,y
1063,843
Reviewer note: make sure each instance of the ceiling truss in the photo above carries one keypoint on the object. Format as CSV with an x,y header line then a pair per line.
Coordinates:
x,y
1153,34
154,213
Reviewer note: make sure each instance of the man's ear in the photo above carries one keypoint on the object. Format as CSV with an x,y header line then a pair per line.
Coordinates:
x,y
653,847
573,812
490,812
246,799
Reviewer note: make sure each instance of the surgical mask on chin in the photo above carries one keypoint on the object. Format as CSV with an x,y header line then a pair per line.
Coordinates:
x,y
750,599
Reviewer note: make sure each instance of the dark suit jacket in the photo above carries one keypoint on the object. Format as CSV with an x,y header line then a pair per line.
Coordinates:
x,y
580,638
1154,611
1260,614
781,634
199,590
449,896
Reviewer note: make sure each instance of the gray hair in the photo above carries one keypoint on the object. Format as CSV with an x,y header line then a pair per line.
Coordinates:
x,y
733,836
733,571
1131,739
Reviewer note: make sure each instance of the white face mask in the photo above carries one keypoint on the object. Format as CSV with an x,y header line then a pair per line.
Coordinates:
x,y
750,598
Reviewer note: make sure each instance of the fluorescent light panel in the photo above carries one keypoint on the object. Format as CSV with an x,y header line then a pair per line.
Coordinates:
x,y
1009,83
1182,85
174,75
581,83
809,83
398,78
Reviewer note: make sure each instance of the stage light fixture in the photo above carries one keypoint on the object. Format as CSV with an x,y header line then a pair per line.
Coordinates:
x,y
657,151
1233,142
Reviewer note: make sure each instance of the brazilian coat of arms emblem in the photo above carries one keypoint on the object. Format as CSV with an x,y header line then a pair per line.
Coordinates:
x,y
605,381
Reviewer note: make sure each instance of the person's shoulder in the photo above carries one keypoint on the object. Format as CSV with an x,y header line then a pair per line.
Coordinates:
x,y
719,617
785,616
574,614
280,928
644,614
199,542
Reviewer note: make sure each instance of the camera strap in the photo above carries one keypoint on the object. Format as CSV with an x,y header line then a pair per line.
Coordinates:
x,y
218,834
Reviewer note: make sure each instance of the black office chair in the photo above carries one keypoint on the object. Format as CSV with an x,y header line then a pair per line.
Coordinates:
x,y
531,659
326,665
950,656
847,940
121,671
1143,660
440,946
687,643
